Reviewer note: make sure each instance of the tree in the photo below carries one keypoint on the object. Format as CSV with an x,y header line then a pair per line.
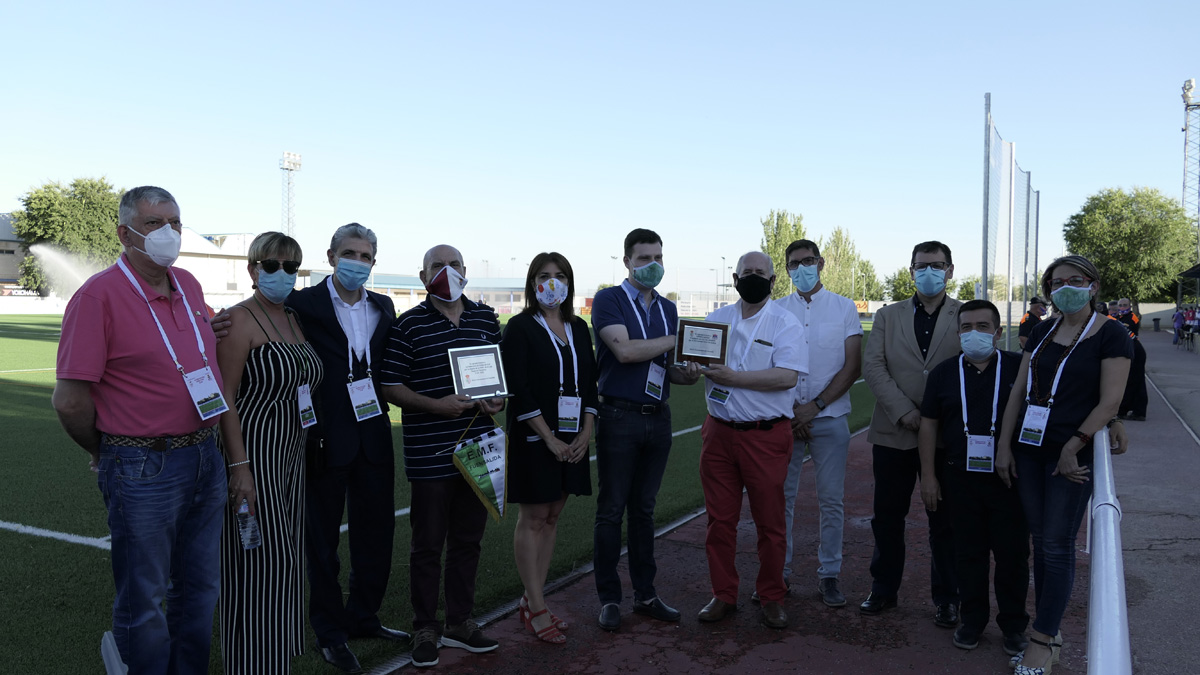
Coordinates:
x,y
1140,240
846,272
899,285
673,296
966,287
79,219
780,229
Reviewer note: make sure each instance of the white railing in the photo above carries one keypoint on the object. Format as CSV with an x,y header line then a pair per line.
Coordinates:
x,y
1108,616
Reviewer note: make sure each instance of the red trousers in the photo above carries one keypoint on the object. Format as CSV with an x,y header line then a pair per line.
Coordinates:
x,y
757,460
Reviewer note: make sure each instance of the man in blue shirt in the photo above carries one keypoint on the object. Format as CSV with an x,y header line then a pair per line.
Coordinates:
x,y
635,334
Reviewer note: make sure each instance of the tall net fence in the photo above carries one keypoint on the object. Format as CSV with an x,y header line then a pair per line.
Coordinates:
x,y
1010,271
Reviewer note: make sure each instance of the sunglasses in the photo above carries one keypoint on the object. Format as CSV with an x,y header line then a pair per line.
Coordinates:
x,y
272,266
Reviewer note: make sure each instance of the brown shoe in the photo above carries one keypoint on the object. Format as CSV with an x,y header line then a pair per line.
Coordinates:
x,y
773,615
716,610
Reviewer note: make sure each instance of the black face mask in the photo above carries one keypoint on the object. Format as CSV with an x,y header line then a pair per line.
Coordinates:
x,y
753,288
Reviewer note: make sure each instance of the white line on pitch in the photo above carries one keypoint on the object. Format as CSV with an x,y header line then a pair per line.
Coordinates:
x,y
1173,410
28,370
96,542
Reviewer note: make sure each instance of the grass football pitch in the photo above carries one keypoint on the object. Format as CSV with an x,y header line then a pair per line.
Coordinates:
x,y
57,590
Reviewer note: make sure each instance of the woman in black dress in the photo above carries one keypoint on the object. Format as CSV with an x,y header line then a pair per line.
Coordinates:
x,y
551,371
1069,386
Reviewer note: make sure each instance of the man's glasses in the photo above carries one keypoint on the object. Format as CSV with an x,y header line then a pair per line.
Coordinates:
x,y
272,266
807,262
939,266
1077,282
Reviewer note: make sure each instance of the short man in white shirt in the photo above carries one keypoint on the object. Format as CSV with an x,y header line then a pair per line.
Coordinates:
x,y
820,424
746,440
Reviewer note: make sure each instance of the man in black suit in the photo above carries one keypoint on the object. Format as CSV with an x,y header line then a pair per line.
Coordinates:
x,y
350,450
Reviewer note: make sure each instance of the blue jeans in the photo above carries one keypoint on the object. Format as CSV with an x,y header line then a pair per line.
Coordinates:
x,y
631,455
164,513
1054,508
829,446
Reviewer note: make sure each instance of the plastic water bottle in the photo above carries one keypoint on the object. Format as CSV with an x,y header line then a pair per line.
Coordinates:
x,y
248,527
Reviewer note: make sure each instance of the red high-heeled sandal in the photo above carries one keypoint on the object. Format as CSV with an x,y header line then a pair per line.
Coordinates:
x,y
523,609
550,633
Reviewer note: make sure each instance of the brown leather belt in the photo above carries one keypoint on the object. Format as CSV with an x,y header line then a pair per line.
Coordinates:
x,y
159,443
763,425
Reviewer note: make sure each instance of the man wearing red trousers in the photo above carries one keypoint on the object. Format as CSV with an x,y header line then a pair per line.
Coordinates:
x,y
746,440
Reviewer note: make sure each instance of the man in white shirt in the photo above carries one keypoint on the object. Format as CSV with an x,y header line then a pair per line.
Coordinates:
x,y
821,411
746,439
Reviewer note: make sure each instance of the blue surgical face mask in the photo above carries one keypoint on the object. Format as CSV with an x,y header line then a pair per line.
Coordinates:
x,y
1069,299
977,345
930,282
649,274
805,277
277,285
352,274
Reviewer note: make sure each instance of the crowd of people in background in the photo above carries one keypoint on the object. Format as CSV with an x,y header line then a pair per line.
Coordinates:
x,y
275,415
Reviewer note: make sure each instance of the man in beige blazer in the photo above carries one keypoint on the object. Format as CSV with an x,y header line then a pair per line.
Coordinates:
x,y
908,339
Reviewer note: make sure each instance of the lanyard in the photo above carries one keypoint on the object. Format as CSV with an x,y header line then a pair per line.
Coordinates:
x,y
750,341
661,311
558,353
962,392
1061,365
171,350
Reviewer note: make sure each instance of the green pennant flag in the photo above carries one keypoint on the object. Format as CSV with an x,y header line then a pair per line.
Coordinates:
x,y
483,462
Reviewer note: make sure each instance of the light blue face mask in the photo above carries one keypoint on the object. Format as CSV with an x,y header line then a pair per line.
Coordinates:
x,y
805,277
930,282
352,274
977,345
277,285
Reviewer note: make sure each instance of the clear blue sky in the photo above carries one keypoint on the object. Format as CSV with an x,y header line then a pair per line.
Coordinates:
x,y
511,128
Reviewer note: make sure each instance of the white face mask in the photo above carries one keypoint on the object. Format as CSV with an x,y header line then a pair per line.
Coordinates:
x,y
551,293
162,245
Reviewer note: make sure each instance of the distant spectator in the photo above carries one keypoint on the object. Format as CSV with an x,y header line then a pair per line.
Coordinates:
x,y
1177,325
1136,400
1037,310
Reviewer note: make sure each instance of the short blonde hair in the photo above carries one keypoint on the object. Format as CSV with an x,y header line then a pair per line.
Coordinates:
x,y
276,243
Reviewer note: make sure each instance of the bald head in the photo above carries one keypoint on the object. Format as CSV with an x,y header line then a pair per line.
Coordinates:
x,y
442,255
755,262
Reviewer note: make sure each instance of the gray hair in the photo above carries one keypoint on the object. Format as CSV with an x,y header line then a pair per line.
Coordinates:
x,y
356,231
147,193
770,263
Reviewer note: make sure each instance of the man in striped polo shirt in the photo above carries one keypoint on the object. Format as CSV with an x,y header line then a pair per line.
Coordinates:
x,y
446,514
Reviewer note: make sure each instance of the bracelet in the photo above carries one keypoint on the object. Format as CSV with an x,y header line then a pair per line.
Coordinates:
x,y
1115,420
244,461
1087,438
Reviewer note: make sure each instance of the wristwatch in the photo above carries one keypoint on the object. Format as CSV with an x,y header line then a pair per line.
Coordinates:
x,y
819,402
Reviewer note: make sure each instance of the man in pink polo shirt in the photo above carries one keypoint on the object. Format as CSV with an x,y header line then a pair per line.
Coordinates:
x,y
137,375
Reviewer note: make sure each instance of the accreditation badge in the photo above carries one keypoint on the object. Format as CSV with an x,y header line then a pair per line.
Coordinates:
x,y
981,453
1033,428
304,399
362,397
718,395
570,410
654,380
207,398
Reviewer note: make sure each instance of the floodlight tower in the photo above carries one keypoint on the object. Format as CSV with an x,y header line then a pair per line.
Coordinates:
x,y
290,164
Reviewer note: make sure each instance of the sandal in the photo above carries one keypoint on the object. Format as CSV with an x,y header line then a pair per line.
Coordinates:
x,y
549,634
523,609
1044,669
1055,649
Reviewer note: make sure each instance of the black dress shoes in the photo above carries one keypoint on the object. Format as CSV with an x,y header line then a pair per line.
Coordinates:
x,y
716,610
875,604
655,608
773,615
341,657
946,615
610,616
385,633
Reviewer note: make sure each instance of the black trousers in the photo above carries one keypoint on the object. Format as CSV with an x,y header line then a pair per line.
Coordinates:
x,y
446,516
369,489
896,472
988,521
1136,399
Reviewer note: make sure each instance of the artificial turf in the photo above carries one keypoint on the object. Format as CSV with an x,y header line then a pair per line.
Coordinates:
x,y
57,595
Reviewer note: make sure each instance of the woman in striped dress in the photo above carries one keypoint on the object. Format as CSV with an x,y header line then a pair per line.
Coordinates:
x,y
270,374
